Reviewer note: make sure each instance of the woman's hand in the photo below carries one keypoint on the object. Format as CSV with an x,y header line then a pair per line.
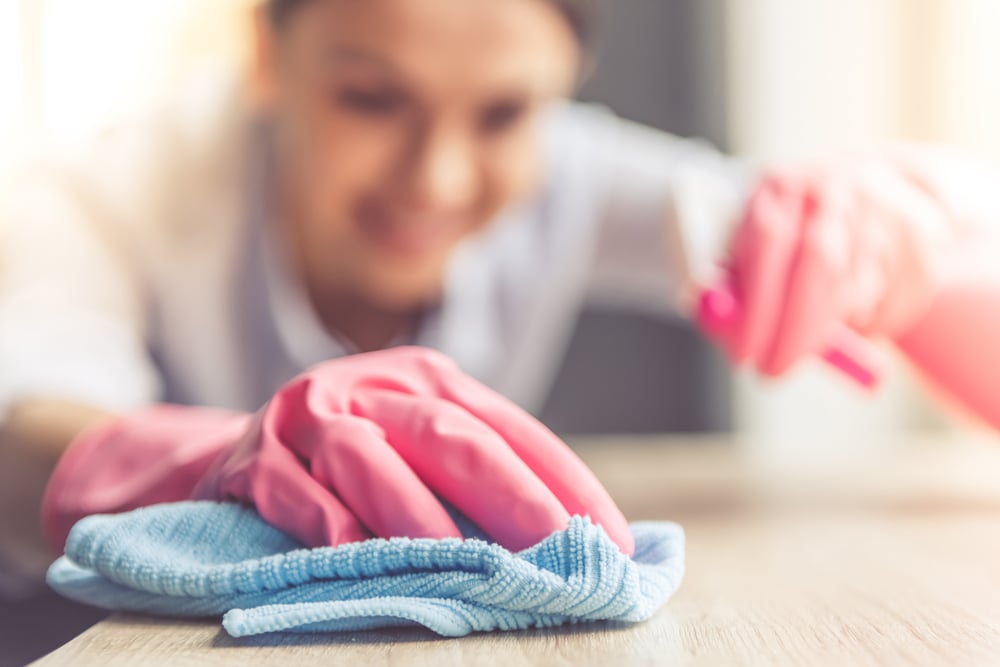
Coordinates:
x,y
866,242
360,446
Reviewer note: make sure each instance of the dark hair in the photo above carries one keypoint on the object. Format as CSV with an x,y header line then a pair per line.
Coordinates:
x,y
579,13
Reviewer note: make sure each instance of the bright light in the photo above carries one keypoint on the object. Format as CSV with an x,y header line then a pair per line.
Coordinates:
x,y
98,58
11,67
103,58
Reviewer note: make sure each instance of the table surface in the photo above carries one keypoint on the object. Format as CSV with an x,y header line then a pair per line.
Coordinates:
x,y
891,557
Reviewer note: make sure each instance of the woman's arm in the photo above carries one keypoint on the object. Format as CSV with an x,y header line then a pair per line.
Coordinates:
x,y
33,436
941,306
71,340
956,343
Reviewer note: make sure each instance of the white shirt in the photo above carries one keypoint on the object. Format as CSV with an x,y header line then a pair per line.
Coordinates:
x,y
147,270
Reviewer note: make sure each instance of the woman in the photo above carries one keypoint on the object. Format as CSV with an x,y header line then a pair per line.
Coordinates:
x,y
404,171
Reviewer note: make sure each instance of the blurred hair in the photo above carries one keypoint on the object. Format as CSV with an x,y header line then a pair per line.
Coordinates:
x,y
581,14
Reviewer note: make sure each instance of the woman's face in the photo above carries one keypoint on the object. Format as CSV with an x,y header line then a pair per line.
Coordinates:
x,y
405,126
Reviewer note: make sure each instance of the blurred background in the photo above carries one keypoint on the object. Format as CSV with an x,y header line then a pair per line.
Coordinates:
x,y
759,78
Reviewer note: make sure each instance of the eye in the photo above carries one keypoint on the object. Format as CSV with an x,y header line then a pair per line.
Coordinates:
x,y
502,116
370,102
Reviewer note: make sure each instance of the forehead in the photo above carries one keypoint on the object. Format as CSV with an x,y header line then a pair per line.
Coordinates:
x,y
469,41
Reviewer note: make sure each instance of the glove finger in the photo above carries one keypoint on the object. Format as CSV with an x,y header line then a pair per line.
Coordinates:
x,y
918,229
287,496
814,294
350,456
870,266
467,464
762,256
549,458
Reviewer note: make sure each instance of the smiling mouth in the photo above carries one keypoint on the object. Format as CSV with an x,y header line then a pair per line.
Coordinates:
x,y
411,235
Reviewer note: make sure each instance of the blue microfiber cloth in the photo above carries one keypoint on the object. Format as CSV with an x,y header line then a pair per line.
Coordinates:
x,y
209,559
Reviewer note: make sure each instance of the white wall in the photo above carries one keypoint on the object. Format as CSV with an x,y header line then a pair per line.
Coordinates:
x,y
966,74
11,70
813,75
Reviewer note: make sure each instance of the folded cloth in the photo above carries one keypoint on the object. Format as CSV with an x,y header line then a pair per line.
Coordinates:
x,y
209,559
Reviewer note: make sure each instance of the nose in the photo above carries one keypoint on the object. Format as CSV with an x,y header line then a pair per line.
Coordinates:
x,y
440,172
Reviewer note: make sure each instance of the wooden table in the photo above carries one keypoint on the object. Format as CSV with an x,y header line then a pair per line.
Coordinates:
x,y
887,558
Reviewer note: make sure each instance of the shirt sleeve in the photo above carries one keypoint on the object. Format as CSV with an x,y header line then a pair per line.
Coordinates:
x,y
642,174
71,311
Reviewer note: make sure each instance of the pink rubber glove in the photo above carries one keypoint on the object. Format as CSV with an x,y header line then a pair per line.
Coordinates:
x,y
956,345
155,455
354,447
904,245
861,243
954,342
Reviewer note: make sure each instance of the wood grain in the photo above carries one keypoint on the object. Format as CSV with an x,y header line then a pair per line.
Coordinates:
x,y
889,559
